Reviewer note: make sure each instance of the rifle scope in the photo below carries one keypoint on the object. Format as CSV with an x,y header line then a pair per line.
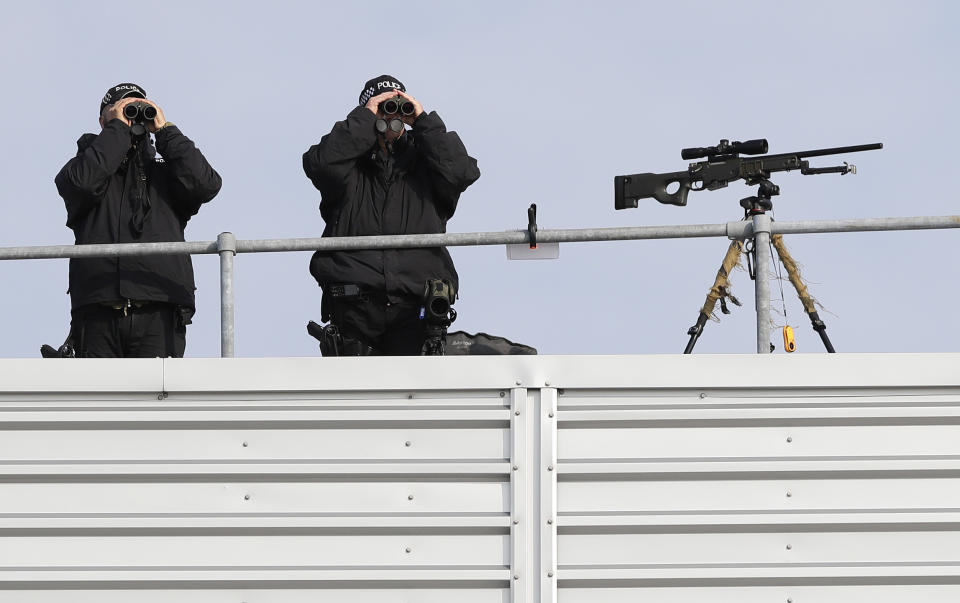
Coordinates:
x,y
747,147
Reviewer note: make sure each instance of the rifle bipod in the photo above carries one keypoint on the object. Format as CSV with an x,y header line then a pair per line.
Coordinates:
x,y
720,291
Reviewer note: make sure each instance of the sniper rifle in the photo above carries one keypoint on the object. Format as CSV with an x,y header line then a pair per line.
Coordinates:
x,y
722,166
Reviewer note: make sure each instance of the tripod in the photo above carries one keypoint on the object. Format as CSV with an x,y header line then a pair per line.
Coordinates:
x,y
758,255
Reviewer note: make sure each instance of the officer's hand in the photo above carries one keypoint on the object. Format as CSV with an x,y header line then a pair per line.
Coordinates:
x,y
115,111
374,103
159,121
417,109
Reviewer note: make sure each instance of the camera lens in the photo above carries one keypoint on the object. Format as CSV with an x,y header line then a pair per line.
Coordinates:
x,y
439,306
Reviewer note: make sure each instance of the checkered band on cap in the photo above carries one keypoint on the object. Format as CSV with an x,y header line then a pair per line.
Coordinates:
x,y
379,85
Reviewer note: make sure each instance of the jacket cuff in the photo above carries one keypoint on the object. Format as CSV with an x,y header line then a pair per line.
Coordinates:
x,y
165,134
428,120
360,112
116,125
114,141
361,123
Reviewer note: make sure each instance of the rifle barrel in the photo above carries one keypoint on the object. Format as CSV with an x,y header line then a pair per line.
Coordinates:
x,y
839,150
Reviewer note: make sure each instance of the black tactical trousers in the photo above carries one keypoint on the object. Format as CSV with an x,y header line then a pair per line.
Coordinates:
x,y
391,329
147,330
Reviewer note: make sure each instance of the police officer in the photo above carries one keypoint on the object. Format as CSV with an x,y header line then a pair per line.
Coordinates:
x,y
117,190
389,168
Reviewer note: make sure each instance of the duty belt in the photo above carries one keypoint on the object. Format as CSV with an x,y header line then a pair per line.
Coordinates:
x,y
345,291
126,305
340,293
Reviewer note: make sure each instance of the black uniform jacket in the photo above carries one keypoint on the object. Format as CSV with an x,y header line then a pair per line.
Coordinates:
x,y
97,187
364,192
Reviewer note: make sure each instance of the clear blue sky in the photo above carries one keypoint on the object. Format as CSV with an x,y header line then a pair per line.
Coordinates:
x,y
554,99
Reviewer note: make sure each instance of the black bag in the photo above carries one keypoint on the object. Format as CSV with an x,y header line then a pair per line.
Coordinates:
x,y
460,343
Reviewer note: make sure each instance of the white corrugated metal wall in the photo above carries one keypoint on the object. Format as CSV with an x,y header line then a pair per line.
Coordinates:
x,y
572,479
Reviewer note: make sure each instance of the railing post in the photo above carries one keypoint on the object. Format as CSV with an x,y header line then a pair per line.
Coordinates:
x,y
548,494
761,244
227,248
524,529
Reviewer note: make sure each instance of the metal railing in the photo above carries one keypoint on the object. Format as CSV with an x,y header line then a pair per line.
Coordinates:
x,y
227,246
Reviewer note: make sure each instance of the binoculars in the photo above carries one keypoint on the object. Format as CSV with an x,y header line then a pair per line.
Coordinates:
x,y
140,112
394,124
397,104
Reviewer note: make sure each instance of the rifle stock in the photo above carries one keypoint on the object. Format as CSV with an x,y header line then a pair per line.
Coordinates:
x,y
629,189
